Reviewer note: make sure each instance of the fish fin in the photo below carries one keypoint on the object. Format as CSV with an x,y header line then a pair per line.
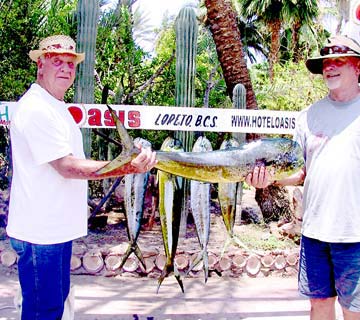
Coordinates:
x,y
128,152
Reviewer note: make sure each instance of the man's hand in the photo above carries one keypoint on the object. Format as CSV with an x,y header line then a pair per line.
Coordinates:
x,y
145,160
259,178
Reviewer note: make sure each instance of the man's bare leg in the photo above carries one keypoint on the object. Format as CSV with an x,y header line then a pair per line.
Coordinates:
x,y
322,309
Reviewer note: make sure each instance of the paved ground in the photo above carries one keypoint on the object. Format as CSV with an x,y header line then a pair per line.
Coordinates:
x,y
100,298
136,299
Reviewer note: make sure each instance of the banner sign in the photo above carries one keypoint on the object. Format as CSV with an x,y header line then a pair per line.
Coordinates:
x,y
176,118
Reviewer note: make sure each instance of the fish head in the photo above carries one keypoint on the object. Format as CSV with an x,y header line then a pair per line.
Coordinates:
x,y
288,158
143,142
172,144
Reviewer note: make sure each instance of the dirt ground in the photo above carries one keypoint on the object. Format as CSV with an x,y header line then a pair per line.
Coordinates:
x,y
114,233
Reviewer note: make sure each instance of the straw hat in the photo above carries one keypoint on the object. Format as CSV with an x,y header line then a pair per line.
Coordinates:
x,y
56,44
337,46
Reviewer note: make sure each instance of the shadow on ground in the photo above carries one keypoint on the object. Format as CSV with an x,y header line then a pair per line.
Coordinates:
x,y
128,298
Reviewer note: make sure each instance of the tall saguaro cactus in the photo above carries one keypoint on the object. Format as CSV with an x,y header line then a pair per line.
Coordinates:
x,y
186,45
239,102
88,12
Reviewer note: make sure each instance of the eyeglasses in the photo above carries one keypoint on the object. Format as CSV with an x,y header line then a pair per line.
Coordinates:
x,y
336,49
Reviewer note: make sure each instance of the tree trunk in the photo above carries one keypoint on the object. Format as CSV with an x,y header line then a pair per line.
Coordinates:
x,y
221,19
274,203
274,27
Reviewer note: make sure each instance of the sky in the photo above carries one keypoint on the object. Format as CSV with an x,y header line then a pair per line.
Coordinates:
x,y
155,10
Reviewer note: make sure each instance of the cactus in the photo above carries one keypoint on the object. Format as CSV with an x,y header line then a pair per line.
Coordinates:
x,y
186,45
88,12
239,102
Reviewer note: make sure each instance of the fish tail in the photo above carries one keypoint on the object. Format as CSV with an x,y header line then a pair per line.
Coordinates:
x,y
202,256
126,141
178,278
168,269
206,264
194,263
133,248
129,250
128,152
140,256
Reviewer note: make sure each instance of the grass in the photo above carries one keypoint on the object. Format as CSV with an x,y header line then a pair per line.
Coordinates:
x,y
258,237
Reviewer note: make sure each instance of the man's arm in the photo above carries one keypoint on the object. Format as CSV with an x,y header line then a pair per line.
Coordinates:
x,y
71,167
260,178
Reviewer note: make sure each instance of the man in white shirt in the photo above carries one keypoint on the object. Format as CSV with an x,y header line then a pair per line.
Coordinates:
x,y
48,200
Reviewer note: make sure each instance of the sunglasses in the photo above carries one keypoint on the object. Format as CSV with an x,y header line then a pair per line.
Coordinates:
x,y
336,49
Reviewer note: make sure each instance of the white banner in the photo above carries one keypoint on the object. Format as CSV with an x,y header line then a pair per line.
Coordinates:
x,y
176,118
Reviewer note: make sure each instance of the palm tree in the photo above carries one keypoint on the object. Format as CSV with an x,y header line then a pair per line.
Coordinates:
x,y
300,13
271,13
251,39
221,19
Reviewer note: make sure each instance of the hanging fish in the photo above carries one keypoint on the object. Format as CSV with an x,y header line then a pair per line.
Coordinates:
x,y
200,208
134,195
282,157
170,199
227,195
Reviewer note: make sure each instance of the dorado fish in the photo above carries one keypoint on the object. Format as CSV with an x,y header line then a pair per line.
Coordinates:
x,y
200,208
282,157
134,194
227,192
170,198
227,195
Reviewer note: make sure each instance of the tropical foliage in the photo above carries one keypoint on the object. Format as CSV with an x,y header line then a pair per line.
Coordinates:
x,y
276,40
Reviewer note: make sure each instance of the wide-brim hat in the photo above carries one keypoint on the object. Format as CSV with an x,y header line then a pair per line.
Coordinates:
x,y
59,44
337,46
